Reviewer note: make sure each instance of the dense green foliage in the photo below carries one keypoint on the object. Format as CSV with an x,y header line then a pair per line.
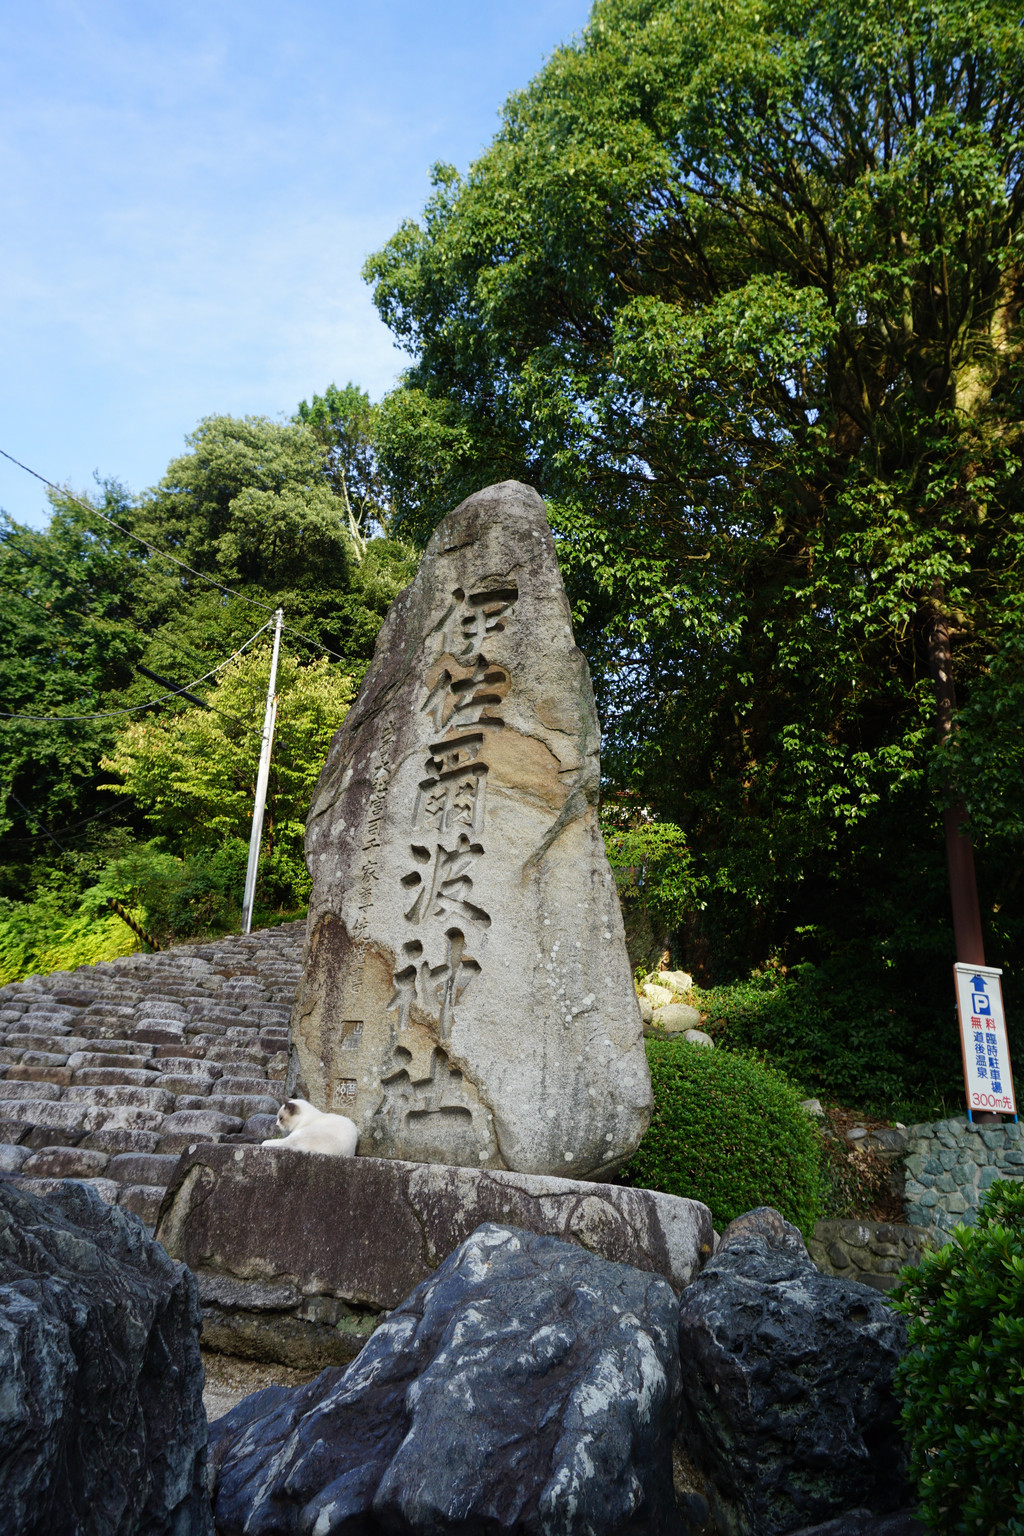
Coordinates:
x,y
61,928
729,1131
962,1383
194,773
844,1035
654,874
343,423
738,288
88,610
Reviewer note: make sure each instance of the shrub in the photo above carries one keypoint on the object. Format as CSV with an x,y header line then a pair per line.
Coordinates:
x,y
35,939
848,1035
962,1384
729,1131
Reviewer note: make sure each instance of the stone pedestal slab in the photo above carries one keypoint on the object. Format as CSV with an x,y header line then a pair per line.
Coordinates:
x,y
367,1230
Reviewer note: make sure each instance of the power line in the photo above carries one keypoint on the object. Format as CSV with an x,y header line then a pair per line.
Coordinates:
x,y
85,820
163,554
46,831
108,714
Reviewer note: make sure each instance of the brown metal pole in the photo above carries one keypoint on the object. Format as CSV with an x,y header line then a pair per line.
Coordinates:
x,y
963,883
963,888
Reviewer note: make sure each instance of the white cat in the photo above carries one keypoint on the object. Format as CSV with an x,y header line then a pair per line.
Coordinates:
x,y
310,1130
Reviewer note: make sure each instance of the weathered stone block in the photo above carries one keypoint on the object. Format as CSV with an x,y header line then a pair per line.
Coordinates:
x,y
190,1121
248,1087
106,1189
113,1141
194,1089
115,1060
243,1106
258,1214
40,1136
65,1163
188,1066
121,1097
143,1200
163,1035
115,1077
14,1091
176,1142
122,1118
142,1168
64,1117
60,1077
260,1127
466,996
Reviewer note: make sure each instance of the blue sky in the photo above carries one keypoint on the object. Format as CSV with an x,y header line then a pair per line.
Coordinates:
x,y
188,192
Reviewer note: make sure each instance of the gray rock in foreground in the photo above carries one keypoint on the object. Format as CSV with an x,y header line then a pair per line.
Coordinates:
x,y
788,1410
526,1387
102,1428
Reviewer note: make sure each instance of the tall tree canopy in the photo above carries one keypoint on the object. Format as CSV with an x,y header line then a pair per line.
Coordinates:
x,y
93,608
738,286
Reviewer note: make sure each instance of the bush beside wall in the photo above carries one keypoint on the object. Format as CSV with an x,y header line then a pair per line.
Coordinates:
x,y
729,1131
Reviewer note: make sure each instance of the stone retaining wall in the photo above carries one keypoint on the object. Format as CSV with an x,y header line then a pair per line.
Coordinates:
x,y
870,1251
951,1163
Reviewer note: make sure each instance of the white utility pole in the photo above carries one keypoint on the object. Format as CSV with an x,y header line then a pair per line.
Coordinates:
x,y
256,836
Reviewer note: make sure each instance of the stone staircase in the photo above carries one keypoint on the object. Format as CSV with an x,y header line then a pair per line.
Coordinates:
x,y
108,1072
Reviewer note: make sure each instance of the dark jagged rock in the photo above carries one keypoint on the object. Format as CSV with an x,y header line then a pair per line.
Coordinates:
x,y
102,1429
788,1409
861,1522
527,1386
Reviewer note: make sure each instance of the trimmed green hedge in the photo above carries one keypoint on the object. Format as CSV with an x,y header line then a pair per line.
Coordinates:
x,y
729,1131
962,1383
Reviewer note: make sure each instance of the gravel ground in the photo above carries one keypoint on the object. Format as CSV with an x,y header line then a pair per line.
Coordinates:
x,y
228,1380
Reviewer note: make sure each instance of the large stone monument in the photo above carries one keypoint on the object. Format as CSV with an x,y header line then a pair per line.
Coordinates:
x,y
466,994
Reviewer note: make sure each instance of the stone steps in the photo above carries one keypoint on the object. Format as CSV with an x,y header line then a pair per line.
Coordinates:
x,y
109,1072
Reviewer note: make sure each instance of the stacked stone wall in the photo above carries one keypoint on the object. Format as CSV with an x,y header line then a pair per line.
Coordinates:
x,y
951,1163
872,1252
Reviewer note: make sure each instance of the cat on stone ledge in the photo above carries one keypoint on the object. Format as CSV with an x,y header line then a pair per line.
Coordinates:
x,y
310,1130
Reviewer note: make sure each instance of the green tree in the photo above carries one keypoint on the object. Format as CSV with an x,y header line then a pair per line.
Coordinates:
x,y
68,644
193,775
251,503
342,421
737,286
90,613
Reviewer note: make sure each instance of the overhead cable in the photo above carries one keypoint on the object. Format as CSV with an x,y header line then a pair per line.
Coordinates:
x,y
163,554
64,831
108,714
